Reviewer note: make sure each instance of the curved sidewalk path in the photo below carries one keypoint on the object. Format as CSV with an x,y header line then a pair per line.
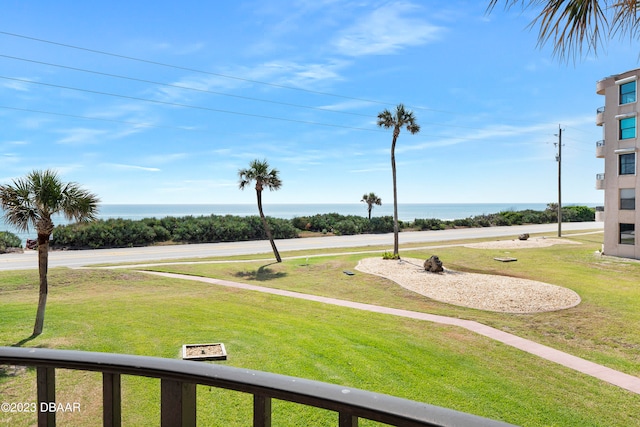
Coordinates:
x,y
620,379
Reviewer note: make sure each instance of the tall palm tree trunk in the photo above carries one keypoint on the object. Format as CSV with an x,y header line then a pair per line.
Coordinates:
x,y
396,131
266,226
43,263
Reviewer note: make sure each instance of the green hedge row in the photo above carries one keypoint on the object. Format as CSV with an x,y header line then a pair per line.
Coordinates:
x,y
344,224
119,232
9,240
229,228
549,215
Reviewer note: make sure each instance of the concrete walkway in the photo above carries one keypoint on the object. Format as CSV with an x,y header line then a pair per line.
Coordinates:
x,y
620,379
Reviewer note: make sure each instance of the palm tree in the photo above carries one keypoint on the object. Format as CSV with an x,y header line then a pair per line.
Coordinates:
x,y
371,199
32,201
573,23
264,177
401,118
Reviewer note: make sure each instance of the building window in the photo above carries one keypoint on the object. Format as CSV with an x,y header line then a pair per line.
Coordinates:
x,y
627,234
628,128
627,198
628,92
627,164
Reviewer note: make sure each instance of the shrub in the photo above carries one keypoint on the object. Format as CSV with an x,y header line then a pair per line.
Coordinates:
x,y
281,228
301,222
463,222
511,217
483,222
204,229
9,240
501,220
427,224
381,224
390,255
578,214
345,227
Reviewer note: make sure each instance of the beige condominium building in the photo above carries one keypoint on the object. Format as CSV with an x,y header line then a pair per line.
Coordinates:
x,y
619,149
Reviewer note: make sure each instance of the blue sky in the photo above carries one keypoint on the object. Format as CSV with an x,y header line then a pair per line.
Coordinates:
x,y
298,83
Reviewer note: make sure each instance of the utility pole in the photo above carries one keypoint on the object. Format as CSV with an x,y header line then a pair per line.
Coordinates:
x,y
559,160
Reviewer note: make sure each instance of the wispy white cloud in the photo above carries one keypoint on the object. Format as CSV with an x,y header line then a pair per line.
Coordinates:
x,y
304,74
120,166
7,159
187,86
161,159
349,105
387,30
34,122
119,111
167,47
130,130
81,136
16,85
276,72
490,133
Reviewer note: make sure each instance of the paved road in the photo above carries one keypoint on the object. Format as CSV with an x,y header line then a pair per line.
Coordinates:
x,y
28,260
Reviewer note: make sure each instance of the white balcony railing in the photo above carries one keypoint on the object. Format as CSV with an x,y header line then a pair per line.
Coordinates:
x,y
600,149
600,116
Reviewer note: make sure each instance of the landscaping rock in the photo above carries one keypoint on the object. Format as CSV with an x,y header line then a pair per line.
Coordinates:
x,y
524,236
433,265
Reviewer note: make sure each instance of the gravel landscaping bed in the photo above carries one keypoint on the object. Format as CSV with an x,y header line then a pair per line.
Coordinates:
x,y
539,242
481,291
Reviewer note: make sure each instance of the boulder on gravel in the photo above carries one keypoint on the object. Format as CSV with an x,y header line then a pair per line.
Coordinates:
x,y
433,265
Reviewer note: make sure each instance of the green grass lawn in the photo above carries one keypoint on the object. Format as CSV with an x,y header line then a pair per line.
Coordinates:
x,y
599,329
129,312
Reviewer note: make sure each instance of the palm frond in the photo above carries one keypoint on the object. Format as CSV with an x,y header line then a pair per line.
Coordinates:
x,y
572,25
385,119
413,128
576,27
78,204
31,201
401,118
261,173
625,19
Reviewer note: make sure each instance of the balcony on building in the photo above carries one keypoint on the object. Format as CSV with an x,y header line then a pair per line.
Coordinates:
x,y
600,149
602,84
600,181
600,116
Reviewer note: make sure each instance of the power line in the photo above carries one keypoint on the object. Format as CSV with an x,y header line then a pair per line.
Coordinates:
x,y
103,119
117,76
215,92
222,93
193,70
175,104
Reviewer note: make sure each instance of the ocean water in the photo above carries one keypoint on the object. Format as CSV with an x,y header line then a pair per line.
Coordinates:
x,y
406,211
